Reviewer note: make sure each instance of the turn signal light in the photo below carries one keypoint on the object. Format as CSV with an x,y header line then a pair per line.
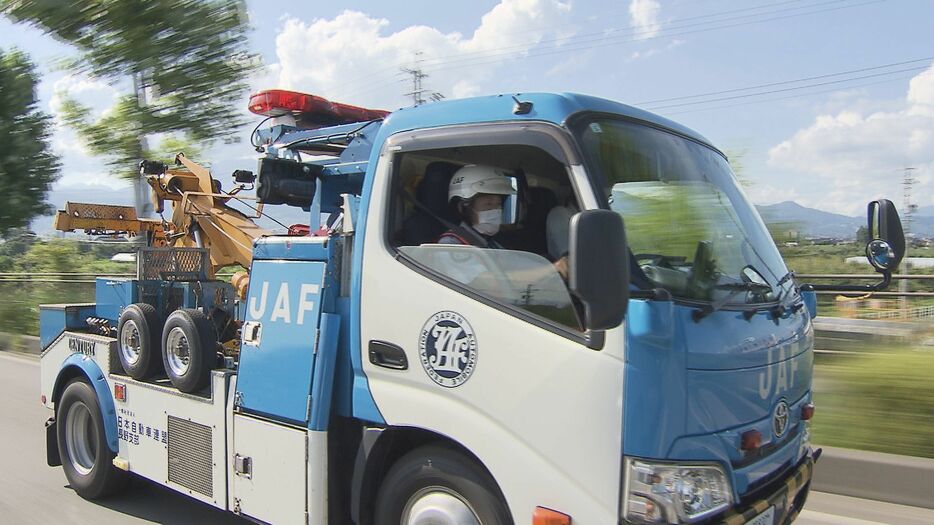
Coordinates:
x,y
751,439
543,516
807,412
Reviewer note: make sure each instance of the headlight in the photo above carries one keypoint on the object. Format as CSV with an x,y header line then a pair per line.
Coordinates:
x,y
669,493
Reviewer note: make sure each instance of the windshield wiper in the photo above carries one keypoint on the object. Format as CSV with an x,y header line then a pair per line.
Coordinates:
x,y
779,309
737,288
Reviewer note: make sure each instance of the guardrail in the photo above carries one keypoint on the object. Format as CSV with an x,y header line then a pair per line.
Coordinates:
x,y
869,277
69,277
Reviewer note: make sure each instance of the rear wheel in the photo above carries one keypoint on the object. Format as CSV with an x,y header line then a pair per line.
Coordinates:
x,y
82,444
189,343
138,341
434,485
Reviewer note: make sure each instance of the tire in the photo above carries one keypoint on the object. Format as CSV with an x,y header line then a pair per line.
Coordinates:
x,y
82,444
189,343
138,341
453,486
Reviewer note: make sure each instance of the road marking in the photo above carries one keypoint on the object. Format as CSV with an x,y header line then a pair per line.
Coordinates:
x,y
822,518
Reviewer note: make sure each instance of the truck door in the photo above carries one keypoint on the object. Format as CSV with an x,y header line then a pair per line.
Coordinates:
x,y
482,345
278,449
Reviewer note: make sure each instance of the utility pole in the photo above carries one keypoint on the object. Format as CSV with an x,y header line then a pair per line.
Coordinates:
x,y
140,195
908,180
419,92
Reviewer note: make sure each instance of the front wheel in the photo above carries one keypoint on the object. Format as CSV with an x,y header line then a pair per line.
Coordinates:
x,y
82,444
435,485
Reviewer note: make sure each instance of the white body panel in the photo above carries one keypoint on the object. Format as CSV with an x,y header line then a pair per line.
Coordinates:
x,y
290,464
148,406
143,423
542,412
275,490
95,347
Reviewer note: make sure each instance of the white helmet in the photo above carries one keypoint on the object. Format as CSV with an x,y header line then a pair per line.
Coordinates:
x,y
473,179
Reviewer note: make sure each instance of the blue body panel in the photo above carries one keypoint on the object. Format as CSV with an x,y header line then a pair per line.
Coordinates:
x,y
113,295
95,376
292,248
549,107
275,376
322,386
692,388
56,318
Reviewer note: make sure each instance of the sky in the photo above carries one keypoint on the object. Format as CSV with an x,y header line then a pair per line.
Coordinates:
x,y
823,102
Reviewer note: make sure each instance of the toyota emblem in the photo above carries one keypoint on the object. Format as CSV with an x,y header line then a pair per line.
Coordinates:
x,y
780,419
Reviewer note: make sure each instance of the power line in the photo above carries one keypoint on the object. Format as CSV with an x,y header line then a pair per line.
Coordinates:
x,y
608,41
598,35
632,30
785,82
774,99
795,88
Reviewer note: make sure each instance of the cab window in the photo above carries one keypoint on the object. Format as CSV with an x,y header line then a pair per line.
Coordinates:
x,y
488,220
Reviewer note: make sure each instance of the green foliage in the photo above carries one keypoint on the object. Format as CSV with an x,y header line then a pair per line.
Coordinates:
x,y
171,146
189,55
19,309
27,166
739,169
895,408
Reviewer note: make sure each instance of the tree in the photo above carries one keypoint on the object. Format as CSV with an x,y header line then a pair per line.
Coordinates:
x,y
27,165
862,235
186,60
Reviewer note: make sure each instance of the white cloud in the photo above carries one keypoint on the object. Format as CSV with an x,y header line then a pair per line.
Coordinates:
x,y
99,96
644,15
352,58
769,194
859,154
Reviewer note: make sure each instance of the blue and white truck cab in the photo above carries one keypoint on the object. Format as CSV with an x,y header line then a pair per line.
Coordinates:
x,y
382,377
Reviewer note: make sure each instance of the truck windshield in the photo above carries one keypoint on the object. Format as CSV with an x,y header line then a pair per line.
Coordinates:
x,y
688,224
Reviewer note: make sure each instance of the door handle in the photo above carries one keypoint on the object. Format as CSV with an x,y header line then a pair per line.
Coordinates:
x,y
387,355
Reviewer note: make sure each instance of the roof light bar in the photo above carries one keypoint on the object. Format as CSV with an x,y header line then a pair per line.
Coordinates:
x,y
279,102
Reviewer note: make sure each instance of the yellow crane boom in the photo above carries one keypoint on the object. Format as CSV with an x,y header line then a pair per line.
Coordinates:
x,y
201,216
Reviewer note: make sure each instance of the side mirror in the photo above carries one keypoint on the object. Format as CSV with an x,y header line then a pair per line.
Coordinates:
x,y
598,267
885,249
887,239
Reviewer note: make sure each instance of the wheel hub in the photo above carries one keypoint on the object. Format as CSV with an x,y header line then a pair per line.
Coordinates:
x,y
438,506
130,342
81,438
178,352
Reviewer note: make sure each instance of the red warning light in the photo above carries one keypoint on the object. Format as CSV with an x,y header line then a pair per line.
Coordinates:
x,y
279,102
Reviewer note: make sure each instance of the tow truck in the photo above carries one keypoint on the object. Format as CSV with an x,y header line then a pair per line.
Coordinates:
x,y
360,371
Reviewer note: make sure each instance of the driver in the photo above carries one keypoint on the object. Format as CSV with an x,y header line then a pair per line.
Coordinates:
x,y
478,193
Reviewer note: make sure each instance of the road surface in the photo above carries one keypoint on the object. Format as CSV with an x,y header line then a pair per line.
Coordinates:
x,y
32,493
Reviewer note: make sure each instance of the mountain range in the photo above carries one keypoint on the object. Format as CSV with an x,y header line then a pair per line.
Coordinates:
x,y
810,222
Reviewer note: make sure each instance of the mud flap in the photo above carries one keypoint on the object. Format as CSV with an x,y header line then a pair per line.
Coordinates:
x,y
51,444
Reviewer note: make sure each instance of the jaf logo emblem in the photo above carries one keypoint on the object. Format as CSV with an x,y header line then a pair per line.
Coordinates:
x,y
448,349
780,418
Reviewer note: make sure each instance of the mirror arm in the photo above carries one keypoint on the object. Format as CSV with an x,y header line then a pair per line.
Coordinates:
x,y
652,294
865,288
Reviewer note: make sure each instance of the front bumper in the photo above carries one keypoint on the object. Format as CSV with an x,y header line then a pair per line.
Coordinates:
x,y
788,498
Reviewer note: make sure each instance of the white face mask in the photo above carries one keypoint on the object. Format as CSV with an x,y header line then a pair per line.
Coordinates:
x,y
489,221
